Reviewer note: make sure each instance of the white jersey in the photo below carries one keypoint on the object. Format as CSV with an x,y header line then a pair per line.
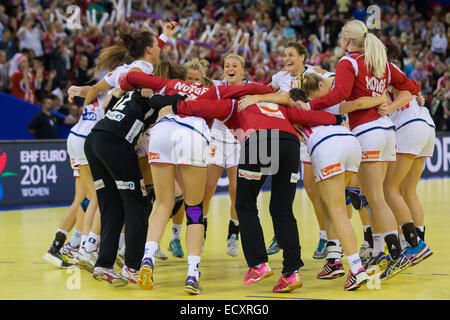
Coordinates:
x,y
283,80
410,113
94,112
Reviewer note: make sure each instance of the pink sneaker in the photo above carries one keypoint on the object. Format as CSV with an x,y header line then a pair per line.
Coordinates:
x,y
356,280
257,274
288,284
331,271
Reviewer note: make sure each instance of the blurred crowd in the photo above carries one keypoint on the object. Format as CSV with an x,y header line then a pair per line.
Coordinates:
x,y
48,45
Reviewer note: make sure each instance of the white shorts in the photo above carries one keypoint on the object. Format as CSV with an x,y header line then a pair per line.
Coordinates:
x,y
304,154
334,156
180,141
75,148
416,138
224,154
141,147
377,140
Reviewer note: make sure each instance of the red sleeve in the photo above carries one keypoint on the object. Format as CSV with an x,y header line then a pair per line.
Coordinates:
x,y
162,40
309,117
221,109
400,81
343,85
237,91
16,78
136,79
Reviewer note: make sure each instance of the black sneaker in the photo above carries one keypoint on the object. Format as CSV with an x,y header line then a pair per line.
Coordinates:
x,y
57,260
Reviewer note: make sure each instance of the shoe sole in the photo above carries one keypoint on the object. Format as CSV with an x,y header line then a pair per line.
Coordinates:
x,y
145,279
85,266
192,290
115,283
161,258
176,255
397,271
333,275
263,276
291,287
232,254
376,268
422,257
56,262
357,285
273,252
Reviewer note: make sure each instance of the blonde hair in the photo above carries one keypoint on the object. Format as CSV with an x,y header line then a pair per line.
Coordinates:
x,y
202,66
235,56
308,83
375,56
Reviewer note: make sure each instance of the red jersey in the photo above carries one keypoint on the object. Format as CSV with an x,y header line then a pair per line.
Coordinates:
x,y
353,81
256,117
135,79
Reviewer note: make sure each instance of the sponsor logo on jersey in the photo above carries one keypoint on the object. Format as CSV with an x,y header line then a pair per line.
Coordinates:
x,y
144,191
330,169
294,177
125,185
249,175
153,156
115,115
89,116
371,155
98,184
213,151
270,109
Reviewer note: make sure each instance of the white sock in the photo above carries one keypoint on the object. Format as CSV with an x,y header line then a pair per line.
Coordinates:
x,y
236,222
323,234
421,228
403,241
83,241
355,262
66,233
92,242
193,264
122,240
378,244
176,230
75,240
150,249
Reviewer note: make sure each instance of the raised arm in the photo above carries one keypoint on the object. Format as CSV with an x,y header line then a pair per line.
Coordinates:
x,y
221,109
312,118
281,98
237,91
94,91
135,79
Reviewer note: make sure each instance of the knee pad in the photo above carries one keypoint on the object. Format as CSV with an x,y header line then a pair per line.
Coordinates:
x,y
177,205
194,214
84,205
354,195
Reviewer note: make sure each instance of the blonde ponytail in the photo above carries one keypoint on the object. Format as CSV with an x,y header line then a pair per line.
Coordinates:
x,y
375,56
199,65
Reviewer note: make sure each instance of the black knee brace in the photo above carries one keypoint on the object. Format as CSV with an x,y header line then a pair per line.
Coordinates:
x,y
177,205
194,214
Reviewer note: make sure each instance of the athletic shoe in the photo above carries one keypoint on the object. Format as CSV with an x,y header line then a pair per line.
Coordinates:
x,y
321,251
68,251
129,274
110,276
232,246
120,258
86,260
377,263
175,248
192,286
396,266
419,253
355,197
288,284
145,280
255,274
57,260
354,281
365,253
331,271
160,255
273,248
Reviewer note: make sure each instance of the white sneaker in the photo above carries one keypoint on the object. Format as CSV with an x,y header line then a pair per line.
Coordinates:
x,y
110,276
160,255
232,246
68,251
86,260
129,274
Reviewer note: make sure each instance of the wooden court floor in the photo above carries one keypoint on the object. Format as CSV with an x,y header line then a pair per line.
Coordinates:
x,y
25,235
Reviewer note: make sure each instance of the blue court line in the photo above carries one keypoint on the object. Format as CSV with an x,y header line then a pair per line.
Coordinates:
x,y
439,274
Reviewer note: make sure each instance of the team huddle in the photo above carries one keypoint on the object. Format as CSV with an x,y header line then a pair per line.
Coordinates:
x,y
155,137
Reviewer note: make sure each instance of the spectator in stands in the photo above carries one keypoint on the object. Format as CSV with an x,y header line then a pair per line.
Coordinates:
x,y
8,44
59,60
439,109
24,81
360,12
82,74
4,77
296,15
419,73
43,124
30,36
439,43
